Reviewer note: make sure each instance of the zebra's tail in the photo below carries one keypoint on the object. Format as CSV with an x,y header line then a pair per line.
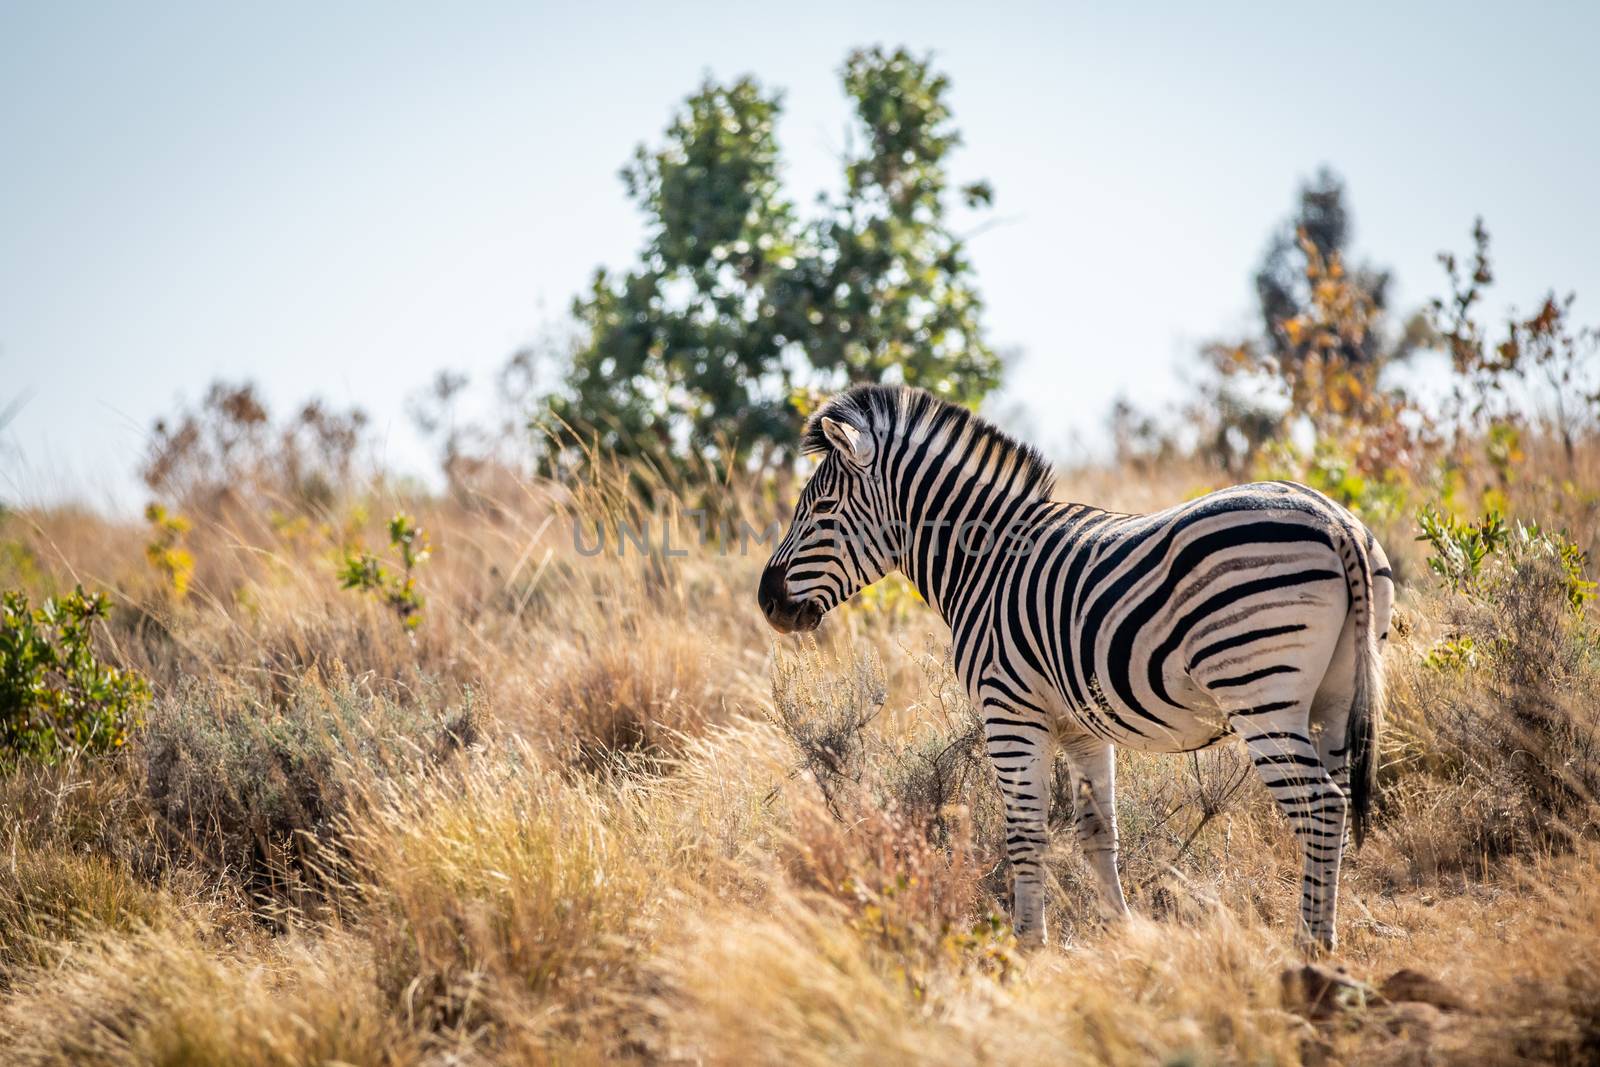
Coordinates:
x,y
1365,723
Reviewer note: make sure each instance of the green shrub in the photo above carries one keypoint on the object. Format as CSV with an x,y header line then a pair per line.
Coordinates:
x,y
1459,548
165,550
366,572
1462,548
55,693
1459,653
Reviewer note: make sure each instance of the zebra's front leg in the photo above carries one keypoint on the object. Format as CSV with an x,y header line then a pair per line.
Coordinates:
x,y
1285,757
1094,815
1021,754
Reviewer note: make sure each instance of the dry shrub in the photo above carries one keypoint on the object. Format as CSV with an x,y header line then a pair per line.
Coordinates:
x,y
881,834
913,790
1197,821
824,706
617,696
1498,749
254,794
923,763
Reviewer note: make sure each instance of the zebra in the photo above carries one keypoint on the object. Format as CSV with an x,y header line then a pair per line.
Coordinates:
x,y
1259,610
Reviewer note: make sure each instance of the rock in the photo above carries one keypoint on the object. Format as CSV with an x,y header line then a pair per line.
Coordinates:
x,y
1379,929
1319,992
1408,986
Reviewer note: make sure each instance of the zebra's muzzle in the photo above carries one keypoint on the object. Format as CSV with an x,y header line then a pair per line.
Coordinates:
x,y
784,614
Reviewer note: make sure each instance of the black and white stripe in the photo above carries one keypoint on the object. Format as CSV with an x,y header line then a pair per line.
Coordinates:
x,y
1257,610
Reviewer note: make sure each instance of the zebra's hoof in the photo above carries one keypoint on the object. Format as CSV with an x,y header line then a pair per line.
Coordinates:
x,y
1315,948
1031,939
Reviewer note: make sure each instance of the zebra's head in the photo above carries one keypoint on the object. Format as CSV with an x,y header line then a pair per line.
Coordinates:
x,y
841,537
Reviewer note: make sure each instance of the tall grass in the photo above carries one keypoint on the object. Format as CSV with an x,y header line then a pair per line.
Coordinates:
x,y
590,810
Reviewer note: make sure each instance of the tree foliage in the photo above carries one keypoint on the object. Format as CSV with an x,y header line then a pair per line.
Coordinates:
x,y
737,303
1327,334
1313,304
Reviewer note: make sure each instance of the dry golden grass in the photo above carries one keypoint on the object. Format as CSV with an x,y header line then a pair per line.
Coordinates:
x,y
592,811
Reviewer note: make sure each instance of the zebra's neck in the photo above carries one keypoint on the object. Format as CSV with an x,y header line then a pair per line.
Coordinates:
x,y
964,528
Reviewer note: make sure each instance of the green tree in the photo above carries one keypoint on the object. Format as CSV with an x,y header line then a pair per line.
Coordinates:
x,y
737,304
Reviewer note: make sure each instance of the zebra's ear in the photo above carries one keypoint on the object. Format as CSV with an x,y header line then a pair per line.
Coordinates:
x,y
854,445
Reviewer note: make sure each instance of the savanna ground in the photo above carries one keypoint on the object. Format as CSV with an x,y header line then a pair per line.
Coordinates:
x,y
553,806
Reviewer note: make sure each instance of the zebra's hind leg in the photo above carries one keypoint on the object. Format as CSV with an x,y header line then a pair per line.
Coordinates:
x,y
1278,737
1021,753
1330,713
1094,815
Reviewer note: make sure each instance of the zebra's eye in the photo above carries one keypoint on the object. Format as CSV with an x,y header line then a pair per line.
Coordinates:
x,y
824,507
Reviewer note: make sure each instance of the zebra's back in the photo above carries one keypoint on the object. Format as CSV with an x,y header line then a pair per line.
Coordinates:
x,y
1150,630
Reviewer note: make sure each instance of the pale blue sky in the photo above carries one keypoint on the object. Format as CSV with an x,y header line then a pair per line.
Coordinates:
x,y
339,199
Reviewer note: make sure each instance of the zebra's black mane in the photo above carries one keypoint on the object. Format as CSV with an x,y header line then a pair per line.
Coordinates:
x,y
888,411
